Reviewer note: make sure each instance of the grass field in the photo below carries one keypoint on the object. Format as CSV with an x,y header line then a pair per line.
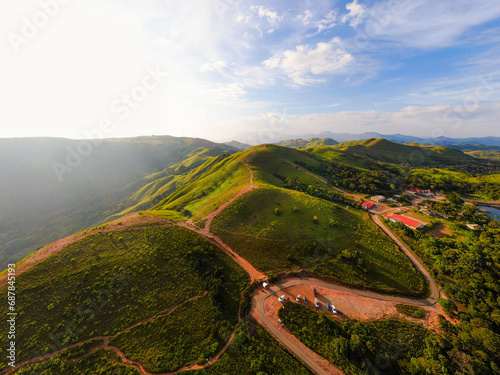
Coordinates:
x,y
252,352
215,183
107,282
192,333
485,154
100,363
314,234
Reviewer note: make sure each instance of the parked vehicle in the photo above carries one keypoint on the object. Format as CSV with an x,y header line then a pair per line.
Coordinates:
x,y
315,292
298,298
334,310
281,323
282,298
329,307
305,300
316,302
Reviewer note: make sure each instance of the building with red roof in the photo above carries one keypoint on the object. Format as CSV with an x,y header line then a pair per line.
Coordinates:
x,y
412,223
369,206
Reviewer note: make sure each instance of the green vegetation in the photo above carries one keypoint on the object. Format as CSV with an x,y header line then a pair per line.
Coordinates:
x,y
396,347
413,311
485,154
101,362
484,186
254,352
208,186
308,143
38,207
467,267
192,333
384,346
167,298
108,282
395,153
339,242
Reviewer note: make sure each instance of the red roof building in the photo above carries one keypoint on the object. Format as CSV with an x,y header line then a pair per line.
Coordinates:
x,y
369,205
414,224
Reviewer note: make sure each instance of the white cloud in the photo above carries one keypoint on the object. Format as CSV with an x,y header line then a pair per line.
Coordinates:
x,y
305,18
329,21
428,23
301,63
414,111
271,16
217,66
233,92
356,13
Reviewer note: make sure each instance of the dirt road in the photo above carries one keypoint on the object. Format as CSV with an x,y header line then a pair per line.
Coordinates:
x,y
435,292
306,355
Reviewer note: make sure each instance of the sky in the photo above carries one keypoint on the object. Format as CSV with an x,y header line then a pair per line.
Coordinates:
x,y
249,70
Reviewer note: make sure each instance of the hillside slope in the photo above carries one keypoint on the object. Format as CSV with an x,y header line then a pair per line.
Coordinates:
x,y
165,285
414,154
54,187
291,220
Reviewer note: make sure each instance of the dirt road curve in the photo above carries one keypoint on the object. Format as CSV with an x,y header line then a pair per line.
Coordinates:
x,y
296,347
435,292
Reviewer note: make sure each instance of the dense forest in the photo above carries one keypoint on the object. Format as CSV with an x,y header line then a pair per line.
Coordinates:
x,y
468,269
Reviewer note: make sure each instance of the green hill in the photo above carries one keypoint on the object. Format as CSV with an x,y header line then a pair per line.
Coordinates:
x,y
485,154
165,285
291,228
308,143
50,191
413,154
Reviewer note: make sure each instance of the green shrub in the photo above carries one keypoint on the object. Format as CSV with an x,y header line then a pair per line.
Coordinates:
x,y
413,311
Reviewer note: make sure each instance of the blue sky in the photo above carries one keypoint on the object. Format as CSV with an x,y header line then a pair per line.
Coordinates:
x,y
250,70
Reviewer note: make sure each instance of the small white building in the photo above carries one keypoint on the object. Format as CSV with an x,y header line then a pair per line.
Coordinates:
x,y
474,226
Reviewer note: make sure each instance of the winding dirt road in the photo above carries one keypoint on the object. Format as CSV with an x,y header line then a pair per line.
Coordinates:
x,y
435,292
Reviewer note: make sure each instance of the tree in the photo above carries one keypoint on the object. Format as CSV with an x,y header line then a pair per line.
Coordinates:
x,y
454,198
277,211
